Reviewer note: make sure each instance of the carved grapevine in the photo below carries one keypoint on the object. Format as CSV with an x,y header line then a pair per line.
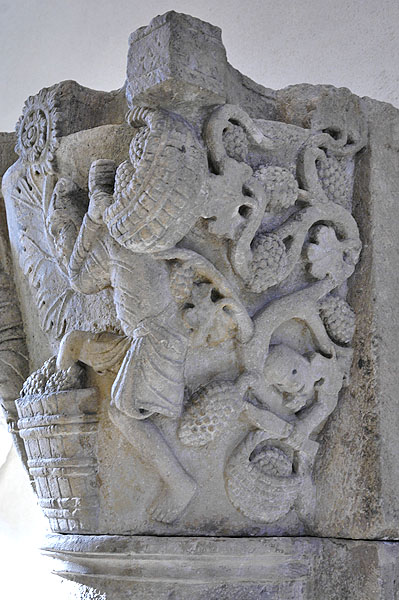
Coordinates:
x,y
214,242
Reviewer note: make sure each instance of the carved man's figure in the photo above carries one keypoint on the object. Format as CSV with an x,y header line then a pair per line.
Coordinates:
x,y
150,379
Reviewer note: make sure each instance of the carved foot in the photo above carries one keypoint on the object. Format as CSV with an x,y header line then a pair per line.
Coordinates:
x,y
172,501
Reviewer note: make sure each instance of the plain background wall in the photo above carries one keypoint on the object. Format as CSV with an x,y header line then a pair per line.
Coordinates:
x,y
351,43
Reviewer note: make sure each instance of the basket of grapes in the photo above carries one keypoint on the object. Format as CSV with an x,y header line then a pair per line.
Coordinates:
x,y
58,422
260,478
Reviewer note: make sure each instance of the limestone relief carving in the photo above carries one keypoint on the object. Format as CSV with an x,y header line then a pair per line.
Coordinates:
x,y
201,282
37,131
59,427
13,352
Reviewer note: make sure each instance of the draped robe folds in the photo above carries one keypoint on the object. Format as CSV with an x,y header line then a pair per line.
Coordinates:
x,y
150,379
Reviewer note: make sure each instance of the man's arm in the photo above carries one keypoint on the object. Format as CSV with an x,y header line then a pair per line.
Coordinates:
x,y
88,266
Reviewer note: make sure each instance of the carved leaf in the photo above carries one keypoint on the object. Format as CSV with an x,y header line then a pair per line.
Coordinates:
x,y
60,308
326,256
41,269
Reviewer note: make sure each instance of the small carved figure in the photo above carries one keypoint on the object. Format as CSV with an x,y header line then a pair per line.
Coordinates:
x,y
292,375
263,477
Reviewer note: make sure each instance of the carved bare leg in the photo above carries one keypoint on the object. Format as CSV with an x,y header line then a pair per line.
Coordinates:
x,y
151,446
101,351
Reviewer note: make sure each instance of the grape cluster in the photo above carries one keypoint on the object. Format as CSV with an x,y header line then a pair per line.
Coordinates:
x,y
273,462
49,367
123,176
280,186
36,382
137,145
47,379
66,379
181,281
333,179
235,142
338,318
210,410
269,261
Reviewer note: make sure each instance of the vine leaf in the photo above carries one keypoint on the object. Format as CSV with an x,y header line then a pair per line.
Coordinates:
x,y
41,267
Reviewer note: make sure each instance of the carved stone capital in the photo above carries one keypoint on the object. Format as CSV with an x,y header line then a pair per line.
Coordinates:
x,y
203,282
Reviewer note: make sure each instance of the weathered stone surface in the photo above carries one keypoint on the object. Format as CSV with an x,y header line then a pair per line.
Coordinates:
x,y
180,61
126,568
158,62
237,456
204,291
359,448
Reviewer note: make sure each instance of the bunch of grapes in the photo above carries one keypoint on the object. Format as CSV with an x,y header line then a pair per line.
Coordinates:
x,y
235,142
268,263
35,384
208,414
338,318
65,379
273,462
280,186
47,379
333,179
49,367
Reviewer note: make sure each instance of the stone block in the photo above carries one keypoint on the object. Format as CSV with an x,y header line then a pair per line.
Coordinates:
x,y
176,58
184,568
358,468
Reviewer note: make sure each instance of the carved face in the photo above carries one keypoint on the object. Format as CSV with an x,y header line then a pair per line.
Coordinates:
x,y
288,370
292,375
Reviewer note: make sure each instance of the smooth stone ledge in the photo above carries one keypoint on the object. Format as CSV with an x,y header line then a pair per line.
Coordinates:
x,y
146,567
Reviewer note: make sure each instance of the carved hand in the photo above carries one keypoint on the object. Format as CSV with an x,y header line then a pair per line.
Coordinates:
x,y
102,176
99,201
69,351
101,186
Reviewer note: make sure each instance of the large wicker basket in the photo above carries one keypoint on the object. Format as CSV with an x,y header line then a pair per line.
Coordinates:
x,y
60,435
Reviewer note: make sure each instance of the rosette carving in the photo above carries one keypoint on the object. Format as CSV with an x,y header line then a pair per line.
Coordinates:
x,y
37,131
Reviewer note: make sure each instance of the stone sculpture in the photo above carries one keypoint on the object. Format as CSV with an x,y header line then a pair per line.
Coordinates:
x,y
185,272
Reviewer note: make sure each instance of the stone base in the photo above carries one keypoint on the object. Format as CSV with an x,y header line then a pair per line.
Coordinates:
x,y
179,568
